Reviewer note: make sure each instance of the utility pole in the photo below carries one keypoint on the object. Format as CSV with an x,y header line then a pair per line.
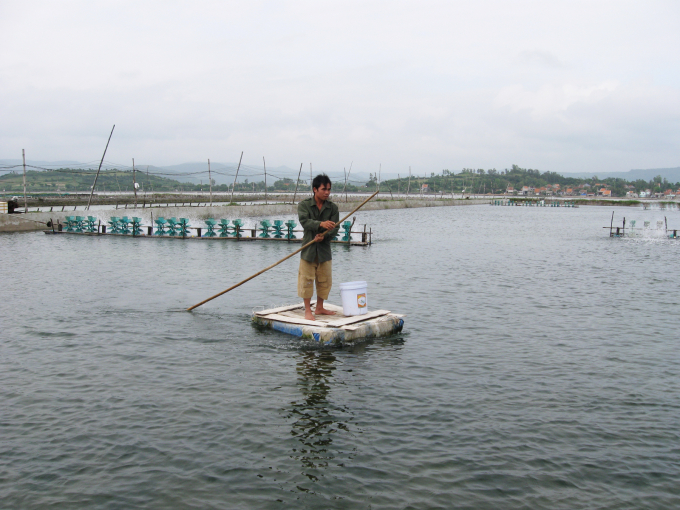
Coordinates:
x,y
134,183
210,179
23,156
234,186
310,178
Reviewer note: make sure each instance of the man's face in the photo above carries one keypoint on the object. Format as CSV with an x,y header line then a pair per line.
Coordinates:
x,y
322,192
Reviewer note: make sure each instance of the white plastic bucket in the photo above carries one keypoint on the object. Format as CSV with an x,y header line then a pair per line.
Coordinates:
x,y
354,298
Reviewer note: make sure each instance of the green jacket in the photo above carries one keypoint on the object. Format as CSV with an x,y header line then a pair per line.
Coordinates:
x,y
310,217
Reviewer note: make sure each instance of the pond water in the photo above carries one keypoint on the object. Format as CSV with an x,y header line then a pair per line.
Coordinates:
x,y
538,368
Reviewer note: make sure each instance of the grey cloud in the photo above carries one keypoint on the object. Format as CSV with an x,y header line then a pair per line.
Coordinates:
x,y
539,58
437,85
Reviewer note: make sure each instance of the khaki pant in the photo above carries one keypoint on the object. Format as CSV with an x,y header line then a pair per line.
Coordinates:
x,y
313,271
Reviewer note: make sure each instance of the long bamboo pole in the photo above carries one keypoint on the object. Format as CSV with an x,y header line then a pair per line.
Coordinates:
x,y
283,259
99,169
296,185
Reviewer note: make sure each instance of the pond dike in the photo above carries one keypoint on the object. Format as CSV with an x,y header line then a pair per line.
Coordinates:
x,y
37,220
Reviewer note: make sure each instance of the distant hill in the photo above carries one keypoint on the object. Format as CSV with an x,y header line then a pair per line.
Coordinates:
x,y
197,172
672,174
223,173
17,164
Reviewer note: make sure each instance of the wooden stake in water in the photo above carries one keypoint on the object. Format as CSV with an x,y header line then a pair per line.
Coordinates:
x,y
282,260
210,179
134,183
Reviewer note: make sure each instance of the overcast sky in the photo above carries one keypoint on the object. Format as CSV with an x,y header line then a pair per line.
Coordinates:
x,y
555,85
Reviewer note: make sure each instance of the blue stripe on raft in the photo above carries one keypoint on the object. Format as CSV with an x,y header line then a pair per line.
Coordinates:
x,y
291,329
316,336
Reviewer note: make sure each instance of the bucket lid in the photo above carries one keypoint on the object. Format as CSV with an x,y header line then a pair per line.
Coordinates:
x,y
353,285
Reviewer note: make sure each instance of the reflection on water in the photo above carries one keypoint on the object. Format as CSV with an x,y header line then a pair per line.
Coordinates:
x,y
318,420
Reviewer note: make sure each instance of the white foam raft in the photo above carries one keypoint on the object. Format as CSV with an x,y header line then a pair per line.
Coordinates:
x,y
335,329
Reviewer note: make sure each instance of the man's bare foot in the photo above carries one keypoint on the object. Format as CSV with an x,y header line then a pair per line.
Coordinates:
x,y
323,311
309,315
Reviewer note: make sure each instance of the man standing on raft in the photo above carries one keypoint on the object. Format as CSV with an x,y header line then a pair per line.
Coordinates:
x,y
317,215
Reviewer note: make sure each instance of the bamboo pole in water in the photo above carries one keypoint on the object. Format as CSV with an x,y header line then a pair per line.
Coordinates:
x,y
296,184
99,169
210,182
236,177
265,180
344,188
409,182
134,183
282,260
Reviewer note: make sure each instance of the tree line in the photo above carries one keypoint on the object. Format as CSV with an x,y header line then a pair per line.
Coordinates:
x,y
468,180
479,181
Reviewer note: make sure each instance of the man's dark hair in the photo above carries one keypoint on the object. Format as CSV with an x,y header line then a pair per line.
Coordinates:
x,y
321,179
